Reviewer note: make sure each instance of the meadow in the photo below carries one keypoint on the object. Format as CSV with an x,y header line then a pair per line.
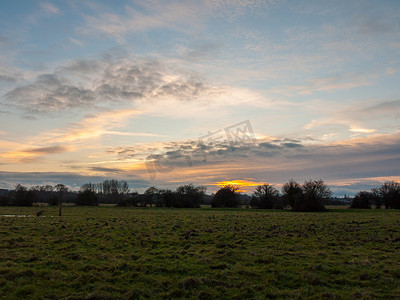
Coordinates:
x,y
135,253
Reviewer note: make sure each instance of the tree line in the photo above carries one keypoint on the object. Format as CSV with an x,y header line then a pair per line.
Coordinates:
x,y
309,196
388,195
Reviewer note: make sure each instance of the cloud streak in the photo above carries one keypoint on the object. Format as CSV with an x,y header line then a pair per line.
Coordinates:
x,y
31,155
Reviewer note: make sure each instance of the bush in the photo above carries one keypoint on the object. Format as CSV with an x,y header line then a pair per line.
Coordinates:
x,y
4,200
87,198
129,200
362,200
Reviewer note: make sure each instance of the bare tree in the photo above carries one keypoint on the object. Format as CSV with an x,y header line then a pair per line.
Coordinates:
x,y
390,193
314,193
265,197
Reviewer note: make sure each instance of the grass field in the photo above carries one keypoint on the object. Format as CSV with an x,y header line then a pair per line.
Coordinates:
x,y
111,252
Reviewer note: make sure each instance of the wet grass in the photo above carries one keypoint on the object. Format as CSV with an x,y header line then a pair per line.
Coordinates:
x,y
110,252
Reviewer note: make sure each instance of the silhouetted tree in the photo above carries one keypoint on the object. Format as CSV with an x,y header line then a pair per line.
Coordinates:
x,y
132,199
45,192
168,198
390,192
5,199
291,192
314,193
265,197
87,195
151,196
35,194
226,196
61,190
112,190
362,199
21,196
377,198
189,196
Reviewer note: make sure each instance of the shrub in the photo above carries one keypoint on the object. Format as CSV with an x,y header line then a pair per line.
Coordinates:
x,y
362,200
87,198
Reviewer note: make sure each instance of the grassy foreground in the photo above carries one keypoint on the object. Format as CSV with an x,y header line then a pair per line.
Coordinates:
x,y
110,252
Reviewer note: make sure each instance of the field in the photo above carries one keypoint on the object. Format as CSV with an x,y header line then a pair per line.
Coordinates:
x,y
132,253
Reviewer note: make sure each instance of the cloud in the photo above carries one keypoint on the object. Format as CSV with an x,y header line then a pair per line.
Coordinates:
x,y
150,15
49,93
326,84
382,107
76,41
96,83
364,116
361,162
200,152
72,138
268,160
362,130
374,24
106,170
47,150
32,154
8,74
49,8
188,17
92,127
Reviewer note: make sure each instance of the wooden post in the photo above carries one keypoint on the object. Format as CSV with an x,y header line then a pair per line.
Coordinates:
x,y
59,207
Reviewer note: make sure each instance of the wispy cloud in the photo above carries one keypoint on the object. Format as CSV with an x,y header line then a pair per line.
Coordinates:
x,y
30,155
46,150
92,127
65,139
326,84
50,8
8,74
188,17
155,15
358,115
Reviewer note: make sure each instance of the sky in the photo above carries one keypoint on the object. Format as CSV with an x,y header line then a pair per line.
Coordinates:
x,y
210,92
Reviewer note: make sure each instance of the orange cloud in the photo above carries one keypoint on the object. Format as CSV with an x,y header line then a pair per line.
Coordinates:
x,y
30,155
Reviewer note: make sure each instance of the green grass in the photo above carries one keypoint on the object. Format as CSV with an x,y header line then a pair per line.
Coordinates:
x,y
111,252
